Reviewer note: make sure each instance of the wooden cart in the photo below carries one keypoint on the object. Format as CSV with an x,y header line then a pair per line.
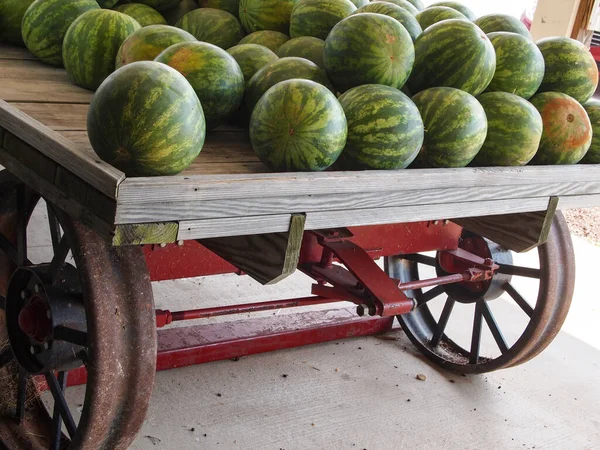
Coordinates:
x,y
88,311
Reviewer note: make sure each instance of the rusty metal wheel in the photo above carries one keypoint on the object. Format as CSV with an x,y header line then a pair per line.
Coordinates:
x,y
90,305
459,347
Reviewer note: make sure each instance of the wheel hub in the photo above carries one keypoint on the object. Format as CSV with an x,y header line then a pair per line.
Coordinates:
x,y
34,309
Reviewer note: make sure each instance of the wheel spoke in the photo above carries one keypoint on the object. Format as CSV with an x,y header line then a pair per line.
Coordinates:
x,y
518,298
56,418
60,403
441,326
421,259
476,336
21,228
6,357
60,256
519,271
493,326
21,394
70,335
55,232
430,295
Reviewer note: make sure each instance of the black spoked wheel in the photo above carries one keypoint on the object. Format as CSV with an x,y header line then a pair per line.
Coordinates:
x,y
462,351
91,305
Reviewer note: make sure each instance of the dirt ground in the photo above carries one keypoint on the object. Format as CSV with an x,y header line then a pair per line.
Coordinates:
x,y
585,223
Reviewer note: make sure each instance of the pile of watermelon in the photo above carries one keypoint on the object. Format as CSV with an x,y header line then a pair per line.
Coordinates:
x,y
318,84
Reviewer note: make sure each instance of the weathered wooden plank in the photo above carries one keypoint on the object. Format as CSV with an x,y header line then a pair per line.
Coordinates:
x,y
268,258
198,229
57,116
52,193
516,232
191,210
40,164
100,175
146,233
219,187
13,52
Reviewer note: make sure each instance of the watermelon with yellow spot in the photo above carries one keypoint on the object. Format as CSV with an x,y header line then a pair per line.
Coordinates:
x,y
146,120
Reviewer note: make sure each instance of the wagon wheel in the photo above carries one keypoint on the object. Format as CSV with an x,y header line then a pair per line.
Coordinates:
x,y
57,316
555,279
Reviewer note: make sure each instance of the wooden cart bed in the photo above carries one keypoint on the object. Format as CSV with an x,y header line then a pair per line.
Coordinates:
x,y
227,191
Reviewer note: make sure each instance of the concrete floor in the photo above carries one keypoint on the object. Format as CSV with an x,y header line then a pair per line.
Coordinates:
x,y
362,393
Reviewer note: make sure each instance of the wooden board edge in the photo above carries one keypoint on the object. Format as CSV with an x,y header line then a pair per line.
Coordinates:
x,y
146,233
294,245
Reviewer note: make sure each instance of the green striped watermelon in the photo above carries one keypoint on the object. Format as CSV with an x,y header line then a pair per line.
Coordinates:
x,y
267,38
359,3
45,23
146,120
308,47
407,20
455,127
251,58
11,16
436,14
213,73
160,5
91,45
231,6
404,4
570,68
368,48
281,70
146,43
453,53
316,18
298,125
519,65
213,26
144,14
592,107
257,15
502,22
417,4
514,130
567,134
173,15
385,130
466,11
107,3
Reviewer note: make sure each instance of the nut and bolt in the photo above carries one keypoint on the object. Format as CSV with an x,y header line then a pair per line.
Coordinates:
x,y
365,310
23,295
36,288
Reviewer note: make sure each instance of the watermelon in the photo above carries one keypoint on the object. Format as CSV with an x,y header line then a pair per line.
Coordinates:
x,y
251,58
396,12
592,107
146,120
308,47
257,15
316,18
429,16
146,43
570,68
455,127
417,4
298,125
368,48
11,16
160,5
45,23
144,14
453,53
404,4
567,134
91,45
467,12
519,65
213,73
502,22
173,15
281,70
107,3
267,38
359,3
213,26
514,130
385,130
231,6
